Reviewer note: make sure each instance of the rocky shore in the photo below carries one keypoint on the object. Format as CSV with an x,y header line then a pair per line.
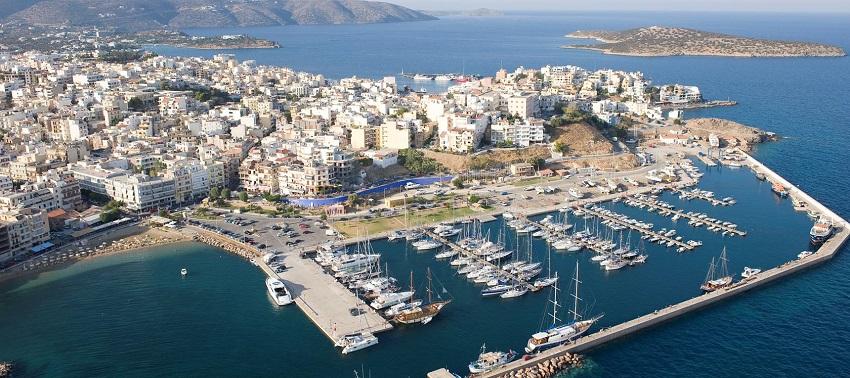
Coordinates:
x,y
5,369
671,41
227,245
548,368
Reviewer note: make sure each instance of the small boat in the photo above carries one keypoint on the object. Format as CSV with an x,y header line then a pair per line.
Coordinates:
x,y
546,281
821,231
184,272
749,272
447,254
396,235
495,290
515,291
804,254
490,360
278,291
398,308
356,341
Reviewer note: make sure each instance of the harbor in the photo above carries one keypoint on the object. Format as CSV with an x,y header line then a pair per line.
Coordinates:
x,y
804,260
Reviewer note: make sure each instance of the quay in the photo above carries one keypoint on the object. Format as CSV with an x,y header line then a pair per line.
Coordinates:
x,y
707,161
323,299
826,252
642,230
717,224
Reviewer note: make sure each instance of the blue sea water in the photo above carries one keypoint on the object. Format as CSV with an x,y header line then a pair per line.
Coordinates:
x,y
131,315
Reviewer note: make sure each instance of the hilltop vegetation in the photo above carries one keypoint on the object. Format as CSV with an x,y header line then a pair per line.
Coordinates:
x,y
130,15
668,41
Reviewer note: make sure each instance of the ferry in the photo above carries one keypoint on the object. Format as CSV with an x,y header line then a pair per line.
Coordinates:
x,y
490,360
821,231
278,291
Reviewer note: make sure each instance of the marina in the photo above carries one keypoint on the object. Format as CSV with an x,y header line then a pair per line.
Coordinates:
x,y
754,279
694,219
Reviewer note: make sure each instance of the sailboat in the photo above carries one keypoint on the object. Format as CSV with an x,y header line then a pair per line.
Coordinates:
x,y
716,280
560,334
421,314
550,279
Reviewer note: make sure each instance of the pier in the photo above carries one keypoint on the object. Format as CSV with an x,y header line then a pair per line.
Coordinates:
x,y
642,230
699,194
826,252
717,224
467,253
323,299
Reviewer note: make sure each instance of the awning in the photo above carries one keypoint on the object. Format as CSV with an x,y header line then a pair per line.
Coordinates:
x,y
41,247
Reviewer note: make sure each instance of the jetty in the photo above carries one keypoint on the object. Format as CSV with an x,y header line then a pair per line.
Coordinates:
x,y
826,252
718,225
470,254
641,229
324,300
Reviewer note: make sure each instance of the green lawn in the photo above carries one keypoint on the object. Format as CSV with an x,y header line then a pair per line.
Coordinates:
x,y
534,181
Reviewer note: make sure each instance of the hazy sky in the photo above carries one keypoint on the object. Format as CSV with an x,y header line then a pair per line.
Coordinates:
x,y
717,5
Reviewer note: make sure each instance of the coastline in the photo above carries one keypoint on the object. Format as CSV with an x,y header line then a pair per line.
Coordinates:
x,y
649,55
131,239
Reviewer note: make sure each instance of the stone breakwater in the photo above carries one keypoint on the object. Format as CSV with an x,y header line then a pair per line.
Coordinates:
x,y
547,368
227,245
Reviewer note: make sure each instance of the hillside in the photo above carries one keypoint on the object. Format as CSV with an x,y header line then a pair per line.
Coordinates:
x,y
132,15
669,41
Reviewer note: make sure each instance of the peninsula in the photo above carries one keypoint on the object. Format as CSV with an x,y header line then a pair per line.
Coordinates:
x,y
672,41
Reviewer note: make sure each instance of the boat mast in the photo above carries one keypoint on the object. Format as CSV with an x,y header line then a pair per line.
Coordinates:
x,y
710,275
724,270
428,270
576,316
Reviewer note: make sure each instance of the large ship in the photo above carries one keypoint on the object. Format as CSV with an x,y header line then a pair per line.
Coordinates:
x,y
278,291
821,231
560,334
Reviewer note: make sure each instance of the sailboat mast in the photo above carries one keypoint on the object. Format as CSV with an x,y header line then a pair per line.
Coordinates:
x,y
575,295
429,284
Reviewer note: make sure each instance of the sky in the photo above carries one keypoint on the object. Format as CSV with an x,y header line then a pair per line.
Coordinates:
x,y
671,5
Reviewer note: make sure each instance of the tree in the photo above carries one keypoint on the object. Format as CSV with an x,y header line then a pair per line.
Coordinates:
x,y
560,147
214,193
536,162
225,193
135,104
243,196
458,183
352,199
324,217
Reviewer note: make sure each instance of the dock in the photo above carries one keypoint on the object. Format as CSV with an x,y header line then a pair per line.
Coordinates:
x,y
325,301
699,194
642,230
826,252
717,224
468,253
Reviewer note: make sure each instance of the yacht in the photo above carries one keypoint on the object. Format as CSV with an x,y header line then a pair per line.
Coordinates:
x,y
388,299
420,77
749,272
278,291
615,263
560,334
447,254
443,78
356,341
490,360
804,254
821,231
495,290
515,291
575,193
429,244
184,272
399,307
396,235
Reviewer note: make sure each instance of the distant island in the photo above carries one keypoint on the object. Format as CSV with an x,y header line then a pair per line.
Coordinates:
x,y
480,12
137,15
672,41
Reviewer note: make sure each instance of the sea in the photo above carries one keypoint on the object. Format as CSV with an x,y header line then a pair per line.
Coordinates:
x,y
132,315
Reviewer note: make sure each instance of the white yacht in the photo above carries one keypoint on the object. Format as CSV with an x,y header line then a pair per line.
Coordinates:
x,y
750,272
356,341
516,291
184,272
388,299
443,78
278,291
428,245
576,193
420,77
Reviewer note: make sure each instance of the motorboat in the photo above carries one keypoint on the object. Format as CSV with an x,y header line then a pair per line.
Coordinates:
x,y
183,272
389,299
750,272
278,291
490,360
495,290
356,341
399,307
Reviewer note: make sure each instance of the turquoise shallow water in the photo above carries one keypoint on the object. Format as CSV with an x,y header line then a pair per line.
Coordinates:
x,y
131,315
